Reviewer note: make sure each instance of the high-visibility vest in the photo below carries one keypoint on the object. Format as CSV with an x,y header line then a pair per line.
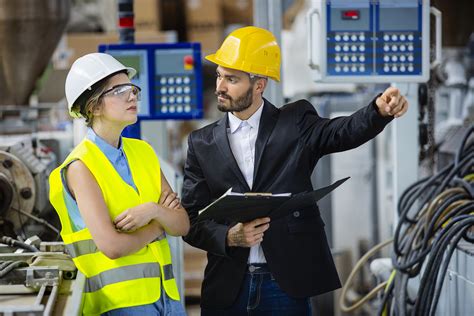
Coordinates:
x,y
130,280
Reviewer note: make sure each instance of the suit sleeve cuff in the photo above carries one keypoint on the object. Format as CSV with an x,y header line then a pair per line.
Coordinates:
x,y
221,233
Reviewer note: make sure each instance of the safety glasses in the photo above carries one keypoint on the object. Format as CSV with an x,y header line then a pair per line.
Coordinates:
x,y
123,91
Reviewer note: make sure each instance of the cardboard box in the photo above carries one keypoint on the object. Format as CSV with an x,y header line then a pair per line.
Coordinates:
x,y
79,44
238,12
210,39
147,15
204,23
200,13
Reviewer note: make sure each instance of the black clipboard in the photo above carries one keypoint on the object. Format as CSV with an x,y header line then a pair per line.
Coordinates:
x,y
245,207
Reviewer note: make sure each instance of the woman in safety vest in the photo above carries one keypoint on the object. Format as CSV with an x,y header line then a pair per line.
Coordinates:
x,y
114,203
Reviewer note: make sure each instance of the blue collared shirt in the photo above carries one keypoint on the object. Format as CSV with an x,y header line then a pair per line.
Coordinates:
x,y
117,158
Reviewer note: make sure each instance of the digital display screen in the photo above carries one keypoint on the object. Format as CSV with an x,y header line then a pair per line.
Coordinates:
x,y
399,15
398,19
133,61
350,14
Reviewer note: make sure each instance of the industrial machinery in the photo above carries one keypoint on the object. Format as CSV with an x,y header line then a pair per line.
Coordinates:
x,y
371,41
25,162
24,169
170,76
36,277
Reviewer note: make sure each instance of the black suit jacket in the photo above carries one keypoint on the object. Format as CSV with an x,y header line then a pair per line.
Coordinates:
x,y
290,141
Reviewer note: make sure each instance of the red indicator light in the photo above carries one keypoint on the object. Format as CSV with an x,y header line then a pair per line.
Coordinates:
x,y
350,15
188,60
126,22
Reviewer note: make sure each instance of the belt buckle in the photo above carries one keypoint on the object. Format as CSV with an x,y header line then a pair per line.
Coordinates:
x,y
253,268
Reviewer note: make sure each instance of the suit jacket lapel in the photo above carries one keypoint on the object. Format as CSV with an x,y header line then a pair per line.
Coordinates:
x,y
267,123
220,137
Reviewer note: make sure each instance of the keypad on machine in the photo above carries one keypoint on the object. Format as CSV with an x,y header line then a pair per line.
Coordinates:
x,y
175,94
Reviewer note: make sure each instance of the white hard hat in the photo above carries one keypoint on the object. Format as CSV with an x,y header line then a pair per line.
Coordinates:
x,y
88,70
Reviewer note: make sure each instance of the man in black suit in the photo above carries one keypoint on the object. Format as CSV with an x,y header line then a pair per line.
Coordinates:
x,y
262,267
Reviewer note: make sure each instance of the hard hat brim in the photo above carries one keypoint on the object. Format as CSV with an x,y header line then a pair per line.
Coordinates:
x,y
131,72
212,58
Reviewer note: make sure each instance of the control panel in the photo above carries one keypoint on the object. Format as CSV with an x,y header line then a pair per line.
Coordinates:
x,y
369,41
170,76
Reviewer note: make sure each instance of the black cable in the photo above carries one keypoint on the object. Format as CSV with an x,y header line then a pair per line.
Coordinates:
x,y
412,256
3,264
429,277
463,143
449,176
18,244
38,220
444,268
427,300
425,185
452,173
412,189
386,297
11,266
435,213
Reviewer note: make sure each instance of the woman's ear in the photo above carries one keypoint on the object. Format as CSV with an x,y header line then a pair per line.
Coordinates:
x,y
96,110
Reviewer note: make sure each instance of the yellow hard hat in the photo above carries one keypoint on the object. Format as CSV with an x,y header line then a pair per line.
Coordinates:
x,y
250,49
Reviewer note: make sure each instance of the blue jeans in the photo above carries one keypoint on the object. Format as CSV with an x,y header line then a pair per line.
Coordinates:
x,y
261,295
165,306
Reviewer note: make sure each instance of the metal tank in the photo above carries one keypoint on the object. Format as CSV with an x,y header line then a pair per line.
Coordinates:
x,y
29,33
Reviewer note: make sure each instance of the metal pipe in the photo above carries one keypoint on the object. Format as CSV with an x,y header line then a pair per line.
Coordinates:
x,y
51,301
40,295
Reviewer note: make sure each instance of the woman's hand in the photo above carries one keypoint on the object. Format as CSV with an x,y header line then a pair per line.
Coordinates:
x,y
136,217
170,200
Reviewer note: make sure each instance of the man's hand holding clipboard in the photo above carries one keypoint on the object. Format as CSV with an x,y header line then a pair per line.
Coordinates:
x,y
246,207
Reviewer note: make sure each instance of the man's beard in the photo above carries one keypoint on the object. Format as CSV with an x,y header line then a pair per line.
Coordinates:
x,y
240,104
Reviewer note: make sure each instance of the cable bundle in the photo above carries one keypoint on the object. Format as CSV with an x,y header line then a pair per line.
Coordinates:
x,y
435,213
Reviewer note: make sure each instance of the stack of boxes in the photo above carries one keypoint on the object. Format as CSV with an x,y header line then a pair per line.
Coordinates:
x,y
147,30
238,12
204,23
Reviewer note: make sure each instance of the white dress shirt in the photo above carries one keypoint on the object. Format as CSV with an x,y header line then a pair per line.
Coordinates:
x,y
242,136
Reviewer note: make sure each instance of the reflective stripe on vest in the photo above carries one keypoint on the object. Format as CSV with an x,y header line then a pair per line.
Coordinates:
x,y
85,247
127,273
168,272
80,248
88,246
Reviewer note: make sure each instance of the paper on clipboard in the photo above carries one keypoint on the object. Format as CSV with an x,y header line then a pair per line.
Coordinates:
x,y
244,207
